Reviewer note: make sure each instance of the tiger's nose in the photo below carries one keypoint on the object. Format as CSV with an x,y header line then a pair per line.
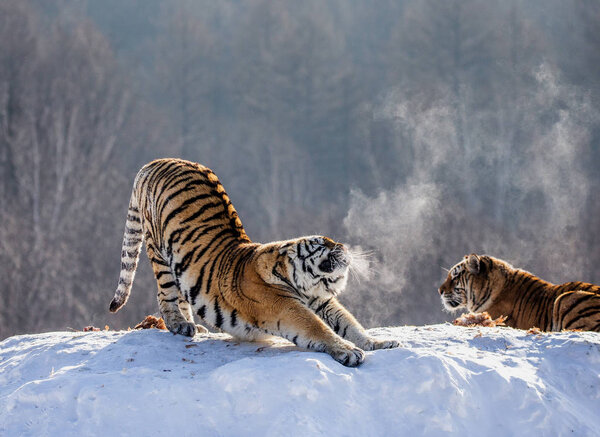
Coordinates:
x,y
440,291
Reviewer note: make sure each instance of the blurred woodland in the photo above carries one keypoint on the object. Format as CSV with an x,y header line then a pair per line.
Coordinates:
x,y
418,130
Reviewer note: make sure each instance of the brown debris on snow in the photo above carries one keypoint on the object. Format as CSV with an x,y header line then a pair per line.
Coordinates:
x,y
151,322
479,319
91,329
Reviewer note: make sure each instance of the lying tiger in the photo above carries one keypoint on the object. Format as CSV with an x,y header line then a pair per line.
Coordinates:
x,y
206,265
484,283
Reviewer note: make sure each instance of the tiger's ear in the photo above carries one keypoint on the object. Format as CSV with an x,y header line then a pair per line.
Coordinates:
x,y
473,264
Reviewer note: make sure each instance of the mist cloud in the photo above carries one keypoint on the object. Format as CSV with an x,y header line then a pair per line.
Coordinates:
x,y
515,193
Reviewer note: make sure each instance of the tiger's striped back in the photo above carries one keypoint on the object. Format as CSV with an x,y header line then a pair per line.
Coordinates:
x,y
176,205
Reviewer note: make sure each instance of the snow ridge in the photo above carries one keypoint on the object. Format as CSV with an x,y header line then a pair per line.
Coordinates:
x,y
443,380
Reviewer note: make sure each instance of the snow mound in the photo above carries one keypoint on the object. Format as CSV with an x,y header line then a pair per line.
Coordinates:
x,y
443,380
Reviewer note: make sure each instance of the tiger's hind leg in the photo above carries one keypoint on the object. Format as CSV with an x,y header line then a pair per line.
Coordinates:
x,y
169,296
186,310
576,310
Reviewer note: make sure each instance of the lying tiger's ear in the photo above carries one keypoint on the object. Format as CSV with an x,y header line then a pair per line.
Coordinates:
x,y
473,264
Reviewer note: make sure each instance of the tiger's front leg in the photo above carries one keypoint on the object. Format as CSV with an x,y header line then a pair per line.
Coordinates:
x,y
345,324
301,326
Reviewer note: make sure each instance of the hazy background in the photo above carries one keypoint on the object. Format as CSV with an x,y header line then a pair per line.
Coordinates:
x,y
419,130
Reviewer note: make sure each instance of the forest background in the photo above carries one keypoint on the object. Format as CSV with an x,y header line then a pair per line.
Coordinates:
x,y
418,130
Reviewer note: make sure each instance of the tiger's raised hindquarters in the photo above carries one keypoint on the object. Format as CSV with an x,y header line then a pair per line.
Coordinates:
x,y
206,265
485,283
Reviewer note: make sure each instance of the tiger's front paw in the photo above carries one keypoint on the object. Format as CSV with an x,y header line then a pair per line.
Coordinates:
x,y
371,344
184,328
349,357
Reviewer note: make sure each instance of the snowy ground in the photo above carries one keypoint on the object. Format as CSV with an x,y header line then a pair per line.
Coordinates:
x,y
444,380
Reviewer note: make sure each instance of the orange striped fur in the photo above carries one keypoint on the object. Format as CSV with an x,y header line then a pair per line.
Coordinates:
x,y
485,283
206,266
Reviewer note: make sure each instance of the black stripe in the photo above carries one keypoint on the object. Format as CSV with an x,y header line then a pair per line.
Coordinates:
x,y
174,238
336,327
238,268
157,176
577,302
201,211
233,318
202,311
167,200
323,305
177,177
205,230
159,261
215,216
211,242
287,296
195,290
185,262
210,275
160,274
524,295
182,208
219,315
281,277
167,284
589,311
133,254
128,266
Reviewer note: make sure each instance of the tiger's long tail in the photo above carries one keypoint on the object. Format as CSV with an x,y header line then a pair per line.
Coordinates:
x,y
130,253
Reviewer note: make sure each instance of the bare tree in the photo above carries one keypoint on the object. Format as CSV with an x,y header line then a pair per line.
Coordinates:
x,y
63,113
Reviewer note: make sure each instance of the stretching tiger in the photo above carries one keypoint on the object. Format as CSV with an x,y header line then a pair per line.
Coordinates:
x,y
484,283
205,264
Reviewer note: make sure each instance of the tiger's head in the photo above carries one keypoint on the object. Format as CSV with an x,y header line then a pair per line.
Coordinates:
x,y
312,266
474,283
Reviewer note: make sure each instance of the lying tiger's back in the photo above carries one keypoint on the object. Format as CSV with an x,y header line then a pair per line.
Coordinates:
x,y
183,212
577,307
485,283
551,307
577,310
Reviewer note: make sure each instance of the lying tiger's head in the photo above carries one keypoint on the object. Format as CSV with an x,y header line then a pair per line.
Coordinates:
x,y
473,283
312,266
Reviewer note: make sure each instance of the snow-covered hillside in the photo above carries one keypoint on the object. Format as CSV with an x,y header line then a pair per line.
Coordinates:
x,y
443,380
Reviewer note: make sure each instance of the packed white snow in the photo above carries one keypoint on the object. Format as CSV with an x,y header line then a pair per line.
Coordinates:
x,y
443,380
